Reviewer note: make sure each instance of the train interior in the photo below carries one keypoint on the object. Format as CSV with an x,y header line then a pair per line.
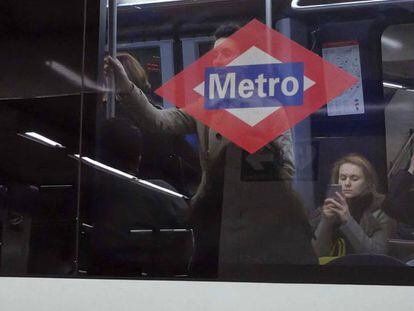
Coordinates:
x,y
54,174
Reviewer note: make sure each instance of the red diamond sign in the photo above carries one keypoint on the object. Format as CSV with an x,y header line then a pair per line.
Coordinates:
x,y
255,85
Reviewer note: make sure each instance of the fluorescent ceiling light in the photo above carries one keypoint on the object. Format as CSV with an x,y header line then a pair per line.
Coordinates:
x,y
41,139
130,177
106,167
391,43
392,85
159,188
296,4
397,86
140,2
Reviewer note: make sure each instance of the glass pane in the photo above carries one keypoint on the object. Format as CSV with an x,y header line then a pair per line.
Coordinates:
x,y
273,151
41,101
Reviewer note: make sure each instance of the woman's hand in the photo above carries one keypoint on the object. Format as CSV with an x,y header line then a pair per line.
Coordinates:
x,y
341,208
114,67
328,212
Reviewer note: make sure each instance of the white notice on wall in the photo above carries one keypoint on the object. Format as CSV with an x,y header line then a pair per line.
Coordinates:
x,y
346,56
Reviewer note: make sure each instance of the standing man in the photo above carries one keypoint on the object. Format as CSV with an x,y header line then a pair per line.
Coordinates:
x,y
207,202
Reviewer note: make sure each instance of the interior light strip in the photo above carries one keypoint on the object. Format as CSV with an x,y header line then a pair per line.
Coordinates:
x,y
297,6
41,139
130,177
106,167
138,2
390,42
393,85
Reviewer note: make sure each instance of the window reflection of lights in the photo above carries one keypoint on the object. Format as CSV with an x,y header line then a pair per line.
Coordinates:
x,y
140,2
74,77
41,139
391,43
130,177
55,186
397,86
296,4
392,85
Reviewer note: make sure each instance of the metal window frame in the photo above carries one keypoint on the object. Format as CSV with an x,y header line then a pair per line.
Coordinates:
x,y
190,48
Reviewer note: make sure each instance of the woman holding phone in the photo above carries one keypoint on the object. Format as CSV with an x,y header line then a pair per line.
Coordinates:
x,y
355,213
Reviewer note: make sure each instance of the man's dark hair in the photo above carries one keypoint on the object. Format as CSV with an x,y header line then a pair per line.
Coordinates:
x,y
226,30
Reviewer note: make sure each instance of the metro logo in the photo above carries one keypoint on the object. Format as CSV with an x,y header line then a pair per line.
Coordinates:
x,y
267,85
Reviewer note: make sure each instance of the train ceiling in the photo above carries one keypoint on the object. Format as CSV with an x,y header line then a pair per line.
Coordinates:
x,y
186,18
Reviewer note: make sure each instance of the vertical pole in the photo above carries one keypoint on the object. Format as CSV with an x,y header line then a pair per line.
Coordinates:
x,y
302,133
269,13
112,31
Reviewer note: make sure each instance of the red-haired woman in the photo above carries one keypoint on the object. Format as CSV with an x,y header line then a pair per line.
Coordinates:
x,y
356,213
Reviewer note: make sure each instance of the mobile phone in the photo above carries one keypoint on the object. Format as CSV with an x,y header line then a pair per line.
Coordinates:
x,y
332,189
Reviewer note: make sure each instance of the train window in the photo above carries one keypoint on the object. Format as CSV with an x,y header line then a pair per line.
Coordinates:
x,y
45,85
237,140
270,187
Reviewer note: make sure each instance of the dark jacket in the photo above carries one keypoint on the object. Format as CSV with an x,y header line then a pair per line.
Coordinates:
x,y
400,201
366,232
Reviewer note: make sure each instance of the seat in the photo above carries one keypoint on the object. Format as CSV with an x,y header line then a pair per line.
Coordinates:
x,y
370,260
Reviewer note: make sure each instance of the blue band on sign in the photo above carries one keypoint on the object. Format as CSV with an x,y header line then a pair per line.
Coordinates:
x,y
252,86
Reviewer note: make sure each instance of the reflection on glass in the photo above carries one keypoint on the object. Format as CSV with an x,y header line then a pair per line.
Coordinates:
x,y
150,60
271,186
398,83
42,139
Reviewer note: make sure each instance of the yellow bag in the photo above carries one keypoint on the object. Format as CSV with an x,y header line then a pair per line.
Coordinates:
x,y
338,250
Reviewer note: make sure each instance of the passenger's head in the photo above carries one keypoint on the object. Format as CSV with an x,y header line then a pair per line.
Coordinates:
x,y
223,56
135,71
356,175
121,144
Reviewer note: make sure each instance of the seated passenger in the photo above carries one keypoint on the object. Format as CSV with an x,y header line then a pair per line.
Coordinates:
x,y
356,213
401,196
121,206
